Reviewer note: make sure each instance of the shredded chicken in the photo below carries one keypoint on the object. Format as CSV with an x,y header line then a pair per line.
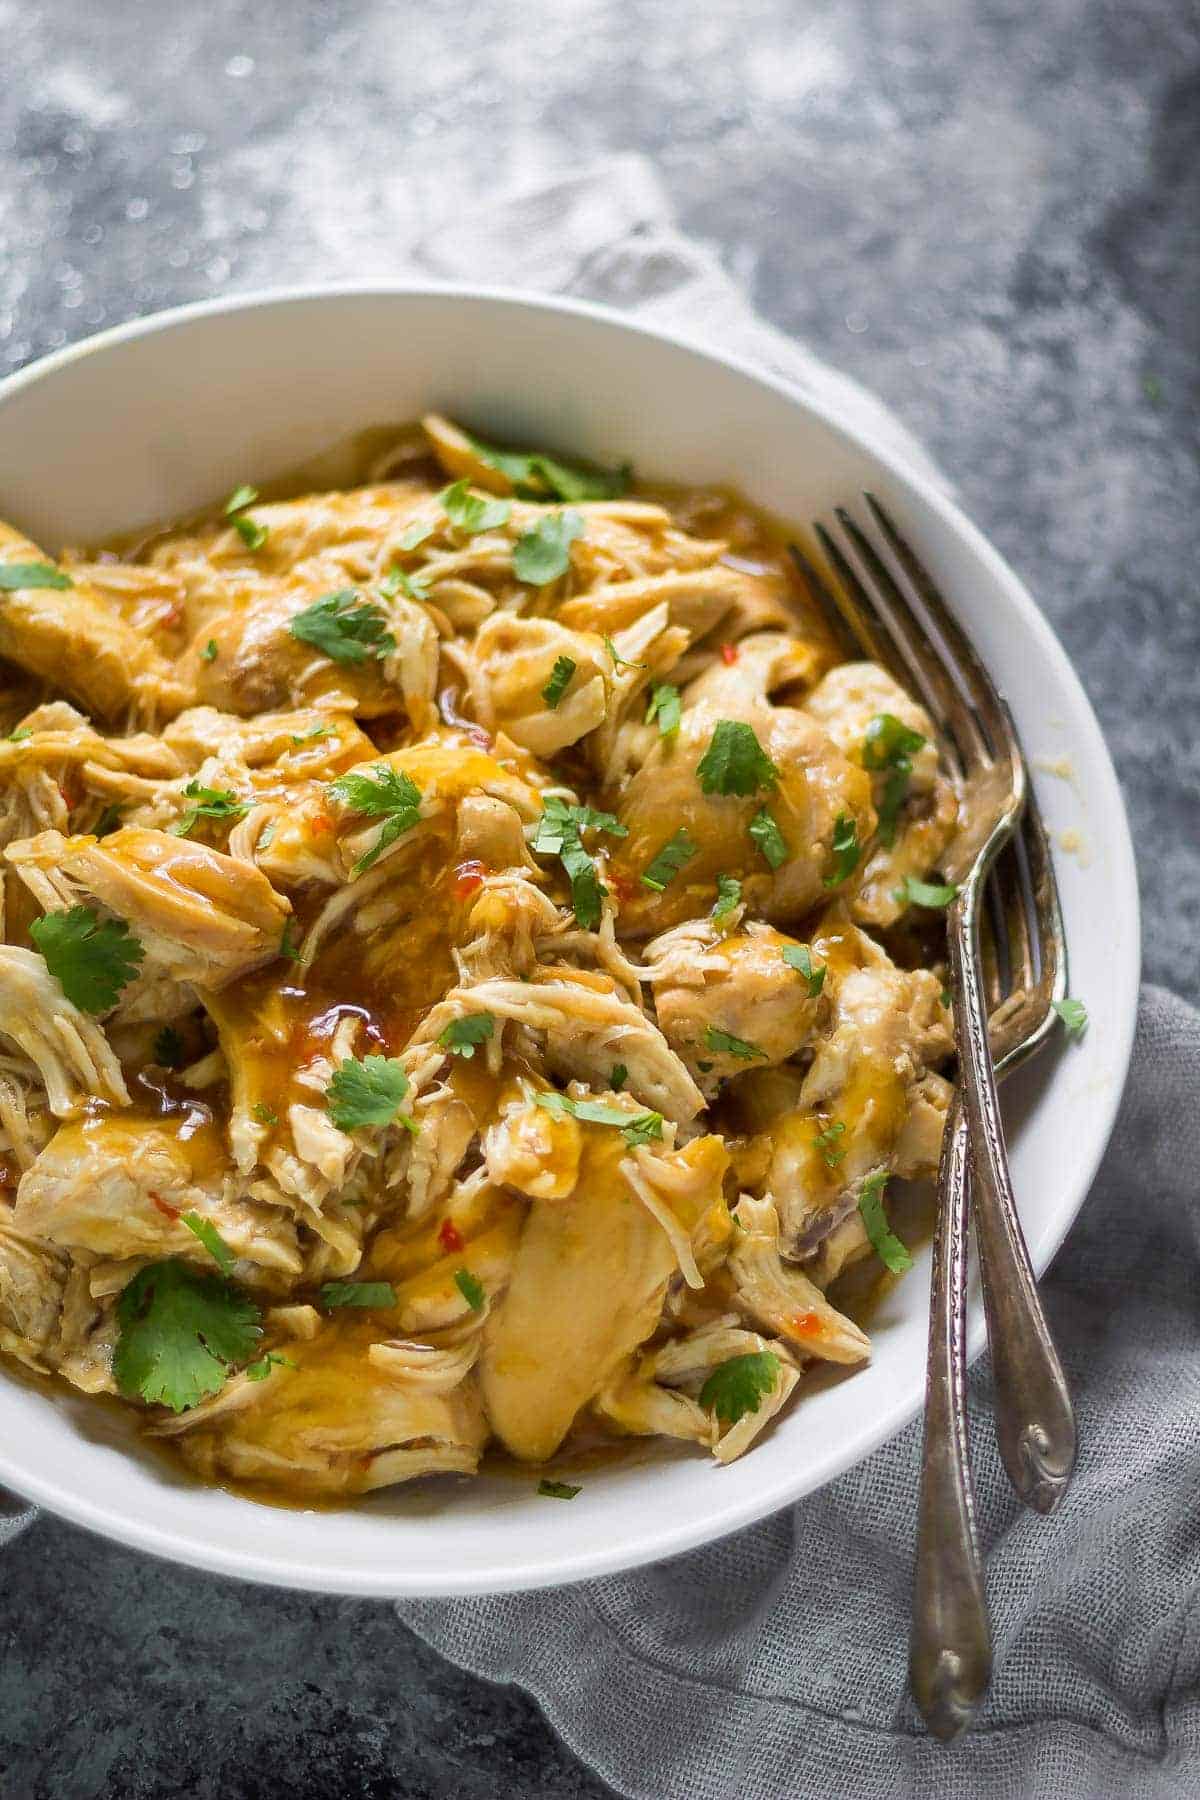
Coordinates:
x,y
450,990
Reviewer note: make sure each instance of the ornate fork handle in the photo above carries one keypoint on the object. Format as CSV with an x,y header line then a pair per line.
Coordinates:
x,y
1035,1422
950,1654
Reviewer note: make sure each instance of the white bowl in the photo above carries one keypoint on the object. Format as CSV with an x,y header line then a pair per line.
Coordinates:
x,y
160,417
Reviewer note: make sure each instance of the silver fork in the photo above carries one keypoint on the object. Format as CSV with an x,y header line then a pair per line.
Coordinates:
x,y
951,1657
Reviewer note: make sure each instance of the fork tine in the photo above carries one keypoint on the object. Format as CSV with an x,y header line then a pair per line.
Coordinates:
x,y
859,614
962,651
960,719
823,602
1010,882
1043,887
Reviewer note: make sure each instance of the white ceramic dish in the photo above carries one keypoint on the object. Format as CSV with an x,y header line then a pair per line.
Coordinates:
x,y
160,417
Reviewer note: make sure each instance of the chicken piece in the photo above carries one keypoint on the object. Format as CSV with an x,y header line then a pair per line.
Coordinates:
x,y
514,660
682,1189
698,598
868,1102
816,789
120,1187
306,741
910,841
342,1420
767,664
783,1300
74,640
200,915
586,1289
491,834
32,1281
477,1228
72,1056
534,1151
709,989
586,1026
659,1390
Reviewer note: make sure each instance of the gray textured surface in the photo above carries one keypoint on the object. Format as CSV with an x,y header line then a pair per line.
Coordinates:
x,y
990,213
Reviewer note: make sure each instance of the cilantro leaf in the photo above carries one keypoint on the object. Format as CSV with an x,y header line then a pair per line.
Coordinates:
x,y
635,1128
766,834
397,582
559,834
92,958
889,744
618,661
462,1035
212,1240
357,1293
827,1143
846,850
542,554
925,893
178,1334
416,534
209,652
386,793
587,889
208,803
311,737
799,957
886,1245
368,1092
735,762
618,1077
724,1041
168,1048
343,627
557,1490
537,476
560,680
729,898
258,1371
252,533
665,706
675,854
16,575
108,821
740,1386
1073,1014
20,734
239,500
287,949
471,1289
470,513
266,1115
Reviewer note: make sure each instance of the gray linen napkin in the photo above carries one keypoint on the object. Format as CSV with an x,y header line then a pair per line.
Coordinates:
x,y
774,1664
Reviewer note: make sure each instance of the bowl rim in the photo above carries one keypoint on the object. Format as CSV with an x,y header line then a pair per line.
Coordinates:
x,y
666,1540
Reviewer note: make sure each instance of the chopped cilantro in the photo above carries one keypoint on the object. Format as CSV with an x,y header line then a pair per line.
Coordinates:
x,y
799,957
344,627
258,1371
889,744
357,1293
471,1289
618,1077
559,834
542,554
397,582
266,1115
212,1240
886,1245
735,762
368,1092
618,661
252,533
675,854
728,1045
740,1385
388,794
846,850
560,680
766,834
1073,1014
462,1035
15,575
537,476
416,534
20,734
557,1490
92,958
208,803
287,949
827,1143
239,500
665,706
108,821
729,898
925,893
178,1334
635,1128
168,1048
209,652
469,512
311,737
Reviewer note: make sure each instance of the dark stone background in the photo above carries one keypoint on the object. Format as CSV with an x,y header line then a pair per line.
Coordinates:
x,y
988,211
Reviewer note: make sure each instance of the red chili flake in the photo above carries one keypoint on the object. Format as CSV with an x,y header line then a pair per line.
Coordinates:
x,y
808,1325
168,1212
729,653
469,876
322,822
621,886
449,1237
173,616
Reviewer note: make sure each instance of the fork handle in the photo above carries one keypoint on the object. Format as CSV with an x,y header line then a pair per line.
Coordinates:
x,y
1035,1421
950,1655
